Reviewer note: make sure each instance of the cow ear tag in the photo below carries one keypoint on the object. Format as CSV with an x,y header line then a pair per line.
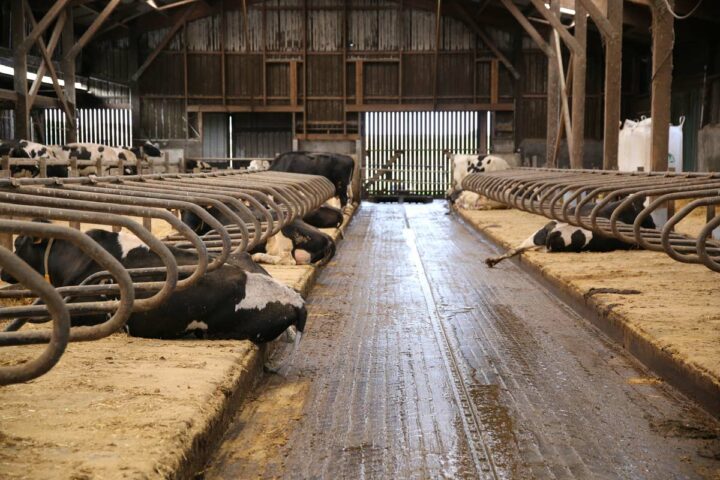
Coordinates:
x,y
37,241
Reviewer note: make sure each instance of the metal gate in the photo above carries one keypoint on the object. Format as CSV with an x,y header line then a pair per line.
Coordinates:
x,y
108,126
406,153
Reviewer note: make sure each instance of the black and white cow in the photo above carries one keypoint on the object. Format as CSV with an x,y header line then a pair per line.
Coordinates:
x,y
236,301
324,217
335,167
466,164
563,237
87,151
197,166
295,244
148,149
258,166
35,151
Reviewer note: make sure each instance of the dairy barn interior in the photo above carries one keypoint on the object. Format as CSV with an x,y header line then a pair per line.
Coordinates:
x,y
359,239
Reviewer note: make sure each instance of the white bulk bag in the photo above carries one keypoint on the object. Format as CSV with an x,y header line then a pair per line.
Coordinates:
x,y
635,146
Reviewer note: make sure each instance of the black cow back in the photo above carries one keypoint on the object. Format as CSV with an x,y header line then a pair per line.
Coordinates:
x,y
335,167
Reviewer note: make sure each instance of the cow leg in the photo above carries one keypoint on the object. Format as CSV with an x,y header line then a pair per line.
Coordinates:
x,y
273,259
536,241
302,257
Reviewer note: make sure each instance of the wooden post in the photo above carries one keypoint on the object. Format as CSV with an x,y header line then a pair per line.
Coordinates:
x,y
565,106
5,167
43,167
561,124
553,94
359,82
613,86
578,89
133,63
293,83
68,67
22,113
438,19
663,32
494,81
6,239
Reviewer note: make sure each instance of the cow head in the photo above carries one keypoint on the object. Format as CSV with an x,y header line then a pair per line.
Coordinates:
x,y
258,165
149,149
490,163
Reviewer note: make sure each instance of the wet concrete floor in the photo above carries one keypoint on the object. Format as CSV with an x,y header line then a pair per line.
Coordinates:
x,y
419,362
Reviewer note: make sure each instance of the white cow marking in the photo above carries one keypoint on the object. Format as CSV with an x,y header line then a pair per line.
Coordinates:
x,y
566,231
261,290
196,325
128,242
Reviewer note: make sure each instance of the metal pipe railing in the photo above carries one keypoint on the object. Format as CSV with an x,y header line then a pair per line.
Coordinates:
x,y
582,197
254,206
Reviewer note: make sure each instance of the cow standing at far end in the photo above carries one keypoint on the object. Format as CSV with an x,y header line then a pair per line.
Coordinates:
x,y
335,167
464,165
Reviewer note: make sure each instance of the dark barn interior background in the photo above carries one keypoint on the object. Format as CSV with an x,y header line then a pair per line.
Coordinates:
x,y
300,72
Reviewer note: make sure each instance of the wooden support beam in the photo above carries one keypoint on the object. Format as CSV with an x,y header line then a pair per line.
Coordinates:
x,y
133,62
529,28
40,28
293,82
68,67
47,59
92,29
480,32
578,96
40,100
52,44
553,92
359,99
22,112
613,87
436,57
607,29
565,107
561,123
555,22
663,32
494,81
163,43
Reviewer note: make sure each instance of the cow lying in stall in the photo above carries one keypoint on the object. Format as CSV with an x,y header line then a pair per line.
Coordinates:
x,y
462,166
295,244
81,151
324,216
563,237
96,151
238,301
33,151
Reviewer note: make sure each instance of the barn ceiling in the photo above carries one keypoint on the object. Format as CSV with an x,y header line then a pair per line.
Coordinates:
x,y
153,14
